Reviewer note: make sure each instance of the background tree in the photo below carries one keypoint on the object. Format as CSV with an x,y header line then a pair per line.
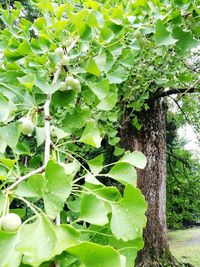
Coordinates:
x,y
161,72
182,170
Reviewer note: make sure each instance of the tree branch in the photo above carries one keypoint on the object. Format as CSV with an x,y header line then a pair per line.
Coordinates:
x,y
22,178
186,117
175,178
47,127
183,91
47,120
179,159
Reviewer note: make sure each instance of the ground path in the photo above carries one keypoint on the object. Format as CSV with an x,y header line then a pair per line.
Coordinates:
x,y
185,245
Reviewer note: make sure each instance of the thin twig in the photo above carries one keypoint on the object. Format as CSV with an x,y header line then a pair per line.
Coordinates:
x,y
47,129
69,48
47,120
22,178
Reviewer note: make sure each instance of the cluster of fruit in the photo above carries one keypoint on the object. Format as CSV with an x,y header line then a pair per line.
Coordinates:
x,y
70,82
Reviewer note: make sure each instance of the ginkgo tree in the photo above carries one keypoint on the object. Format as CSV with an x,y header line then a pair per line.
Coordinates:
x,y
59,81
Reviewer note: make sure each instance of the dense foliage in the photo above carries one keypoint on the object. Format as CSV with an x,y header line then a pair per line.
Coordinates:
x,y
65,80
183,173
56,89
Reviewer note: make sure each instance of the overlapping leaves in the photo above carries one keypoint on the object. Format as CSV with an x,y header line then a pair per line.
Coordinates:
x,y
106,53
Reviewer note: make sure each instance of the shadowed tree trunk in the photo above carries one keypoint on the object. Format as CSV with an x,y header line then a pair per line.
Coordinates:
x,y
151,140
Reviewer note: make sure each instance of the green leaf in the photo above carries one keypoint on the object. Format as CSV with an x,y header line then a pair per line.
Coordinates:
x,y
66,236
135,158
40,135
93,210
28,80
129,249
108,103
77,119
9,256
108,193
118,151
46,87
7,107
39,23
101,61
92,67
128,216
95,19
24,48
60,134
3,146
23,149
125,173
117,75
46,5
14,93
8,162
66,259
91,135
90,178
41,241
2,202
10,134
185,39
74,205
106,35
85,32
33,188
54,188
91,254
63,99
162,36
101,89
127,58
71,168
118,14
57,188
60,25
96,164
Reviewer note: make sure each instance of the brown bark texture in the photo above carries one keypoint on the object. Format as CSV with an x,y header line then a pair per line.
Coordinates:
x,y
151,140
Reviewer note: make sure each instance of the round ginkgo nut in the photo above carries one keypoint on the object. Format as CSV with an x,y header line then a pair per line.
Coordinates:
x,y
27,126
11,222
77,85
59,51
63,86
69,81
64,61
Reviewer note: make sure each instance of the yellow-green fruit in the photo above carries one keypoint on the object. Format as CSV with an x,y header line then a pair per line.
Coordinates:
x,y
53,133
137,34
77,85
63,86
59,51
69,81
64,61
27,126
11,222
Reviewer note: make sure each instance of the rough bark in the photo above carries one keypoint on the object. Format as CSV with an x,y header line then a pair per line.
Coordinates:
x,y
151,140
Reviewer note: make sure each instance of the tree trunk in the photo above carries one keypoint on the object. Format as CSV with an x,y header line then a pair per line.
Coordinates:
x,y
151,140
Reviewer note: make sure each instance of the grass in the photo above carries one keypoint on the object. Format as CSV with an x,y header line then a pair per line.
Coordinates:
x,y
185,245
